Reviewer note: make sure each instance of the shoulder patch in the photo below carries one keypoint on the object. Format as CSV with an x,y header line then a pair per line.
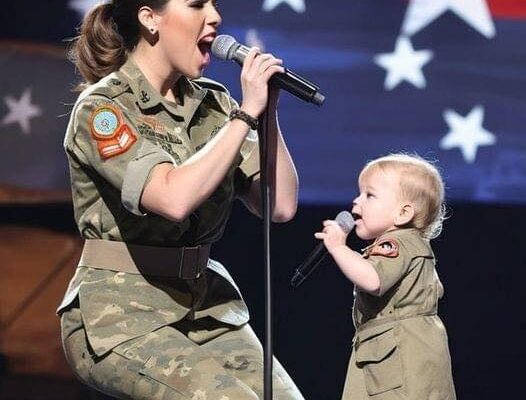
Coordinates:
x,y
386,247
112,134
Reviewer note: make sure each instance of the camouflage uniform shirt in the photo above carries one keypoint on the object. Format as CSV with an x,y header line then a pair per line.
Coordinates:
x,y
108,179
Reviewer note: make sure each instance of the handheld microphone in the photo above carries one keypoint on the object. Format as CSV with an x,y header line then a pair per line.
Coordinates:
x,y
346,222
226,47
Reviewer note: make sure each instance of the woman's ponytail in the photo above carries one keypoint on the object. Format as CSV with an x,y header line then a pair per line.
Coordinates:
x,y
99,49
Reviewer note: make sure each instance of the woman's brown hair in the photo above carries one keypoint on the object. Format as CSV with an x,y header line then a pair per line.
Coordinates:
x,y
107,33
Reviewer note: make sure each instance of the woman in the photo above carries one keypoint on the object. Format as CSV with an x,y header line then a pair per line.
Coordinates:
x,y
157,156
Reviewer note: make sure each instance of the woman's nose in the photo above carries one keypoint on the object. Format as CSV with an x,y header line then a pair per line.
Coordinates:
x,y
214,16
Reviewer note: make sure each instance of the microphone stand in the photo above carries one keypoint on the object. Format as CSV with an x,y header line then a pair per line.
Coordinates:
x,y
264,149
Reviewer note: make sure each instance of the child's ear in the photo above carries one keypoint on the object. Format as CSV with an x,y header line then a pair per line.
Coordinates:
x,y
406,214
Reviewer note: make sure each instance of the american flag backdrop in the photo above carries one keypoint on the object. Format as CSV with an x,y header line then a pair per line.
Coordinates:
x,y
443,78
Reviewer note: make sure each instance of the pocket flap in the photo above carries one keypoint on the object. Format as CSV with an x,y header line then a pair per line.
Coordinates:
x,y
375,346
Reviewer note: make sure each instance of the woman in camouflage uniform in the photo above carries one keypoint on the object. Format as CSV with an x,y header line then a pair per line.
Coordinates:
x,y
400,349
157,155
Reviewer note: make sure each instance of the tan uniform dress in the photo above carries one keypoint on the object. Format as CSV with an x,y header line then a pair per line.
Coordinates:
x,y
139,336
400,349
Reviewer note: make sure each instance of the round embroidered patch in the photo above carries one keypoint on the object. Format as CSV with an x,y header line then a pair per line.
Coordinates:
x,y
105,122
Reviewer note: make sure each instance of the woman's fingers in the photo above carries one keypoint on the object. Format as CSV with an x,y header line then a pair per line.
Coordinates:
x,y
250,57
270,71
258,65
268,62
257,70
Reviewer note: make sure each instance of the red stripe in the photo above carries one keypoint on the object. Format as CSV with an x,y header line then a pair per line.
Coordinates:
x,y
508,8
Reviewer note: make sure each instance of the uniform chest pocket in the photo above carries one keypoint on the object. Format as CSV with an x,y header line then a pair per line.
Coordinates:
x,y
378,356
171,143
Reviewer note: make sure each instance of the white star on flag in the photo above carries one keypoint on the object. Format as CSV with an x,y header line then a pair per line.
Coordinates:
x,y
83,6
252,39
21,111
420,13
404,64
467,133
296,5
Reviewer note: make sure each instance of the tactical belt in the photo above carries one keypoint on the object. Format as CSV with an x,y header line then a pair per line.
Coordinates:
x,y
175,262
373,323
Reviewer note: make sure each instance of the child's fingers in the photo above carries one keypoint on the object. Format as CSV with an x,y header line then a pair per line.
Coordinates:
x,y
319,235
329,222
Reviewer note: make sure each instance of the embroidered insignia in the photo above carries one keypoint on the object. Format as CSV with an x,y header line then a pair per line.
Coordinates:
x,y
385,247
113,136
149,126
145,97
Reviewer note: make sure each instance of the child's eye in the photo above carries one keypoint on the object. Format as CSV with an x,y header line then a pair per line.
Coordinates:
x,y
369,195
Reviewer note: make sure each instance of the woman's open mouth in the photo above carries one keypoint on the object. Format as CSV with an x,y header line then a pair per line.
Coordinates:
x,y
204,45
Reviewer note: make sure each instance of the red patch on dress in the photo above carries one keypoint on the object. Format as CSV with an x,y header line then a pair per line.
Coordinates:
x,y
112,134
386,248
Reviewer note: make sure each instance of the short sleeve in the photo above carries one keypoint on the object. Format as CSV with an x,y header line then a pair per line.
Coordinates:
x,y
104,139
396,253
391,260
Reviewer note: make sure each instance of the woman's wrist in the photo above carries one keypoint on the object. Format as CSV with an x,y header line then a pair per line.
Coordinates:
x,y
250,110
243,115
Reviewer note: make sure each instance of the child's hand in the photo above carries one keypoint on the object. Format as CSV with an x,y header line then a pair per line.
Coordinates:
x,y
332,235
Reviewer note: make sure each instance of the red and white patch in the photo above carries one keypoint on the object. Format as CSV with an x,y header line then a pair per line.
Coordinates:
x,y
112,134
385,247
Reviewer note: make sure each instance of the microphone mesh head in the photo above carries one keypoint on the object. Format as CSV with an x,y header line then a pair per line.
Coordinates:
x,y
345,220
222,45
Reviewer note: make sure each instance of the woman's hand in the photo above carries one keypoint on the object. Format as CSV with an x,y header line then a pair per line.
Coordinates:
x,y
332,235
257,70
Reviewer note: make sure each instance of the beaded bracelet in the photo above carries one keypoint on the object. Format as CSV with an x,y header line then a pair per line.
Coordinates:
x,y
243,116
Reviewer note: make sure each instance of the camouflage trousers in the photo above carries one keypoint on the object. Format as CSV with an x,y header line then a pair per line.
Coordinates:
x,y
196,360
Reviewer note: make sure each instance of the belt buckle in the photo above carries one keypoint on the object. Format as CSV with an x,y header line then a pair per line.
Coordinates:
x,y
184,266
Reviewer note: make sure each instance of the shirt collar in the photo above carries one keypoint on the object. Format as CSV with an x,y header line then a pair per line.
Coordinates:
x,y
392,231
148,97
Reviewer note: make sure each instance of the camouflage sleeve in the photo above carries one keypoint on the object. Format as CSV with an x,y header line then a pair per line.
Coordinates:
x,y
104,139
391,259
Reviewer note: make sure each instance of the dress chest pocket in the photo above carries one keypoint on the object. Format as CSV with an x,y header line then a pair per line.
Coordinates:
x,y
378,356
170,140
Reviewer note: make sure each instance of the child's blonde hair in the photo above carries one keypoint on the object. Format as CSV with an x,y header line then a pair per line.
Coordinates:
x,y
421,184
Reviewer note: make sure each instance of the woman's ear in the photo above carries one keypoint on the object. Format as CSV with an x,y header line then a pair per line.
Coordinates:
x,y
148,20
406,214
